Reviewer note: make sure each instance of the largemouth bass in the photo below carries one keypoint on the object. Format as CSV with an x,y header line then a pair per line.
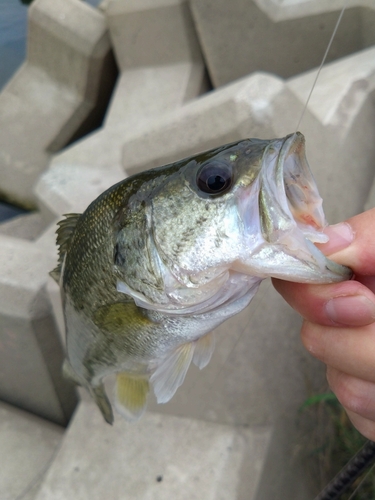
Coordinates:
x,y
162,258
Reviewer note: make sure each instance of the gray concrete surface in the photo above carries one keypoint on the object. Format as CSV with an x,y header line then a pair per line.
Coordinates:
x,y
249,107
370,202
157,75
31,352
25,226
144,92
240,37
159,457
28,445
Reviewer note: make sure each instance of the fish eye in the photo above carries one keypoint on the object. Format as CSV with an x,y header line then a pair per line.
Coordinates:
x,y
214,177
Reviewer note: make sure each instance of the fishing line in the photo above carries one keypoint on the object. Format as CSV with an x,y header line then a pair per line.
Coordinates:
x,y
366,455
322,64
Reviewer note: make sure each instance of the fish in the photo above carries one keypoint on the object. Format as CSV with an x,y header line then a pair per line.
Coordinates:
x,y
162,258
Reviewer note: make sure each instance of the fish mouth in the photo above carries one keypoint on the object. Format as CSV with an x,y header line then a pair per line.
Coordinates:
x,y
291,218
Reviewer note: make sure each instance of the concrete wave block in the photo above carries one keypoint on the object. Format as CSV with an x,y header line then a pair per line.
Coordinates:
x,y
144,94
31,353
26,226
159,457
64,84
28,445
147,33
156,73
146,89
96,162
242,36
370,202
69,187
246,108
279,9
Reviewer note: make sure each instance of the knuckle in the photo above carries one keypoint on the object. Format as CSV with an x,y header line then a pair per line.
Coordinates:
x,y
346,390
312,339
365,426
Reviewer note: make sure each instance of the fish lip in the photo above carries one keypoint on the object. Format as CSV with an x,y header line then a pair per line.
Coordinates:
x,y
290,210
286,185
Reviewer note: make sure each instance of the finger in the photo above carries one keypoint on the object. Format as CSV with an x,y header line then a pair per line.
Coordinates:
x,y
352,243
349,303
356,395
368,281
349,350
365,426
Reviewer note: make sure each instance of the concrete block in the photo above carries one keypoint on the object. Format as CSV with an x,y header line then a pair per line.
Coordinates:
x,y
279,9
246,108
60,191
370,202
158,53
28,445
57,95
147,88
142,95
243,36
159,457
26,227
148,33
31,354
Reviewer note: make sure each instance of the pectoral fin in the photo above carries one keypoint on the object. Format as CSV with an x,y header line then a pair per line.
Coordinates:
x,y
131,395
204,348
171,373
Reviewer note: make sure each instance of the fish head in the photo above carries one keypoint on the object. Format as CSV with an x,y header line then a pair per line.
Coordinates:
x,y
219,222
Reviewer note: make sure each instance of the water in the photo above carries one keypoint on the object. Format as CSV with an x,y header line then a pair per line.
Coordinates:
x,y
13,26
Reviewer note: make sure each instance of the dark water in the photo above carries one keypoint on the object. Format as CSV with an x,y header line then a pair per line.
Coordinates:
x,y
9,211
13,26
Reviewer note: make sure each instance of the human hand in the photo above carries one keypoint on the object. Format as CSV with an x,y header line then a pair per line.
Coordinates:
x,y
339,319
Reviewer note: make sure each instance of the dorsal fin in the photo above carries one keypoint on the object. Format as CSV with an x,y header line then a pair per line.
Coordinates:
x,y
64,235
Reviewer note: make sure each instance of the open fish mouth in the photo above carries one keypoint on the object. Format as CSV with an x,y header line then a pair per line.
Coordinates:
x,y
291,218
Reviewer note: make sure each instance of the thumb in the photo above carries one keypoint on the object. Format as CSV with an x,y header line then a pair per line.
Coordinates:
x,y
352,243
